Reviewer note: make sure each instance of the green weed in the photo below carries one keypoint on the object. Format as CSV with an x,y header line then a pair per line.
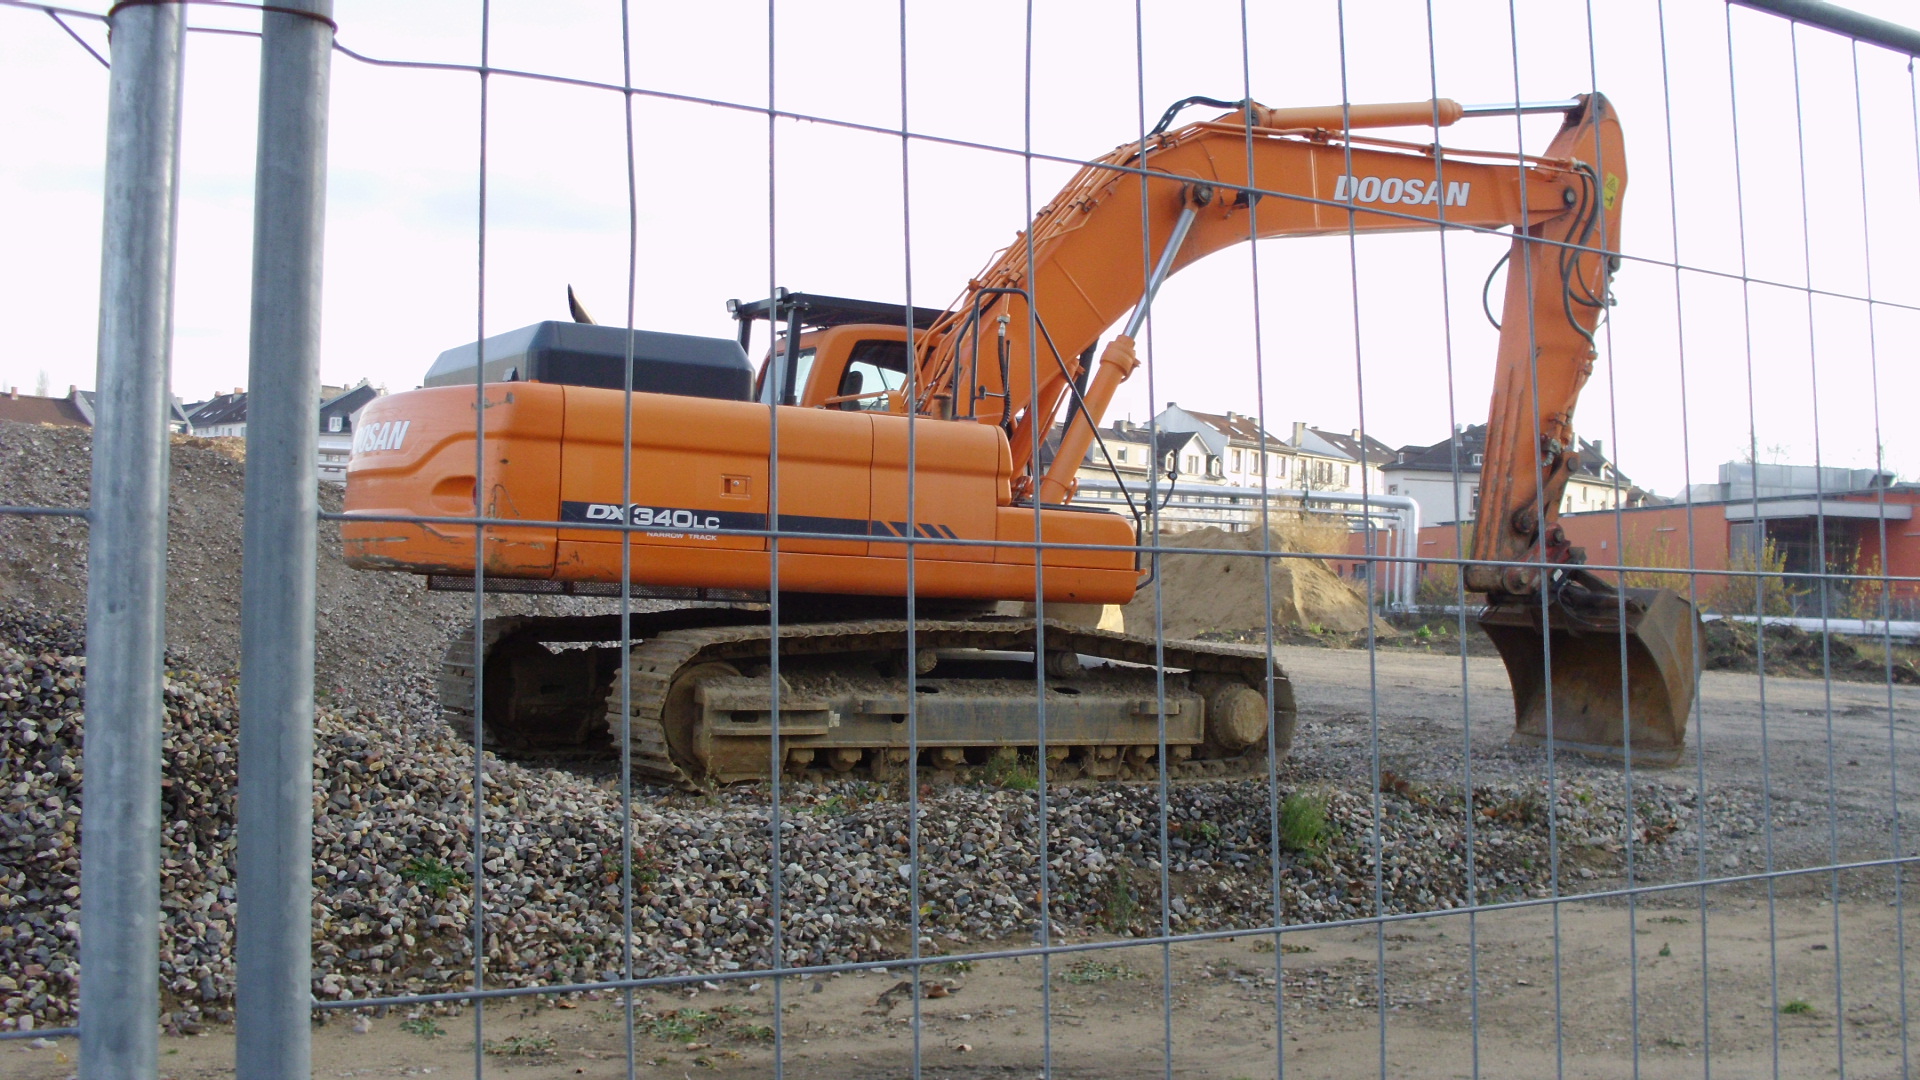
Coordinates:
x,y
1009,768
1119,906
423,1026
681,1025
1086,972
1303,823
520,1046
1797,1007
433,875
1205,831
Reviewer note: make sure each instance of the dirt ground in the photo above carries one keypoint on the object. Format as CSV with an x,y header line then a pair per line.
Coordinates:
x,y
1107,1009
1795,979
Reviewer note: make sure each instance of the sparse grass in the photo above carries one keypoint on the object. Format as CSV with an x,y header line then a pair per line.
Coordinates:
x,y
1523,809
1797,1007
1205,832
1303,823
681,1025
521,1046
433,875
1009,768
1119,906
752,1032
1666,949
1671,919
423,1026
1087,972
957,967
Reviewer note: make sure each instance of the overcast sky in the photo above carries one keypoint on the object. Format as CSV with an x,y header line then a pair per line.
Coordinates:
x,y
1374,331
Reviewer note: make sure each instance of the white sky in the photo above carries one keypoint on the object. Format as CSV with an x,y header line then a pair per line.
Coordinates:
x,y
1670,397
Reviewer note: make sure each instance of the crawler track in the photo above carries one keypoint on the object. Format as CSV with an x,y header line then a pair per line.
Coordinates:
x,y
701,697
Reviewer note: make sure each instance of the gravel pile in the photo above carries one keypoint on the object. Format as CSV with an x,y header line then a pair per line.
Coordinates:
x,y
393,823
378,635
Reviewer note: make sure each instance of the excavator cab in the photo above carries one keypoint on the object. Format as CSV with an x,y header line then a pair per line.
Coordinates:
x,y
847,354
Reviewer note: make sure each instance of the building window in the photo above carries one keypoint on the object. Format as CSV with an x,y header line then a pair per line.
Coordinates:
x,y
335,423
1393,489
1477,459
1120,454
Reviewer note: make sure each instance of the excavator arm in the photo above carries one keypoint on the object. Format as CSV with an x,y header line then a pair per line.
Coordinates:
x,y
1260,173
1012,350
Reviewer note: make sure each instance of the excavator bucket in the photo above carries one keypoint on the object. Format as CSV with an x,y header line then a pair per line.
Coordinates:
x,y
1573,647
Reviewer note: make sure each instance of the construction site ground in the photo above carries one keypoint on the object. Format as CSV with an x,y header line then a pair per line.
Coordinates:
x,y
1387,724
1542,997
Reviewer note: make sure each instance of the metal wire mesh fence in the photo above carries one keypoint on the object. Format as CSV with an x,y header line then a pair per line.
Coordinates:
x,y
857,693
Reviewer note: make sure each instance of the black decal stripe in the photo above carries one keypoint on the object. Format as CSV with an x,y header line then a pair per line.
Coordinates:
x,y
572,512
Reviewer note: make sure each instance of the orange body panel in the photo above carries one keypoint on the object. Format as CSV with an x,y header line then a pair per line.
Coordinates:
x,y
699,469
413,454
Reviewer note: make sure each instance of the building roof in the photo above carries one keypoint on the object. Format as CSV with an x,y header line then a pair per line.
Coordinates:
x,y
84,400
222,409
1440,457
346,403
1358,447
1235,426
33,409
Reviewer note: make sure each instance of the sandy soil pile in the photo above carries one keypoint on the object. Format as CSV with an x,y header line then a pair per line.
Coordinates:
x,y
1211,594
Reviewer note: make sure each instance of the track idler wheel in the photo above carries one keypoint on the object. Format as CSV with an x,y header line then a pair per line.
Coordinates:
x,y
1566,666
1238,716
687,738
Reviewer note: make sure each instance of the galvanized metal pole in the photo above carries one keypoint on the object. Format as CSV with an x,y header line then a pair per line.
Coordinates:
x,y
275,814
127,552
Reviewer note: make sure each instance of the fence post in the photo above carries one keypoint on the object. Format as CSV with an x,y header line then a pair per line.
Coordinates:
x,y
127,552
275,813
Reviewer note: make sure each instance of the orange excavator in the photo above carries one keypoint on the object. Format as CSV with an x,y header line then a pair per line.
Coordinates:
x,y
881,450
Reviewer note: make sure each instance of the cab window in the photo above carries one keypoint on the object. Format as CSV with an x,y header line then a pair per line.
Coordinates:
x,y
873,367
773,376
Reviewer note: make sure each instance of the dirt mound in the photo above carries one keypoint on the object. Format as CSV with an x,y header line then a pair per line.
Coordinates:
x,y
1226,595
1791,652
374,631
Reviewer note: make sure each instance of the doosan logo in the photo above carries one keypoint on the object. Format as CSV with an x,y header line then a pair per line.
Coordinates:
x,y
1373,189
387,436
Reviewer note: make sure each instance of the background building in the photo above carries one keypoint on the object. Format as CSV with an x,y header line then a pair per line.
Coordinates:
x,y
225,416
1427,473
